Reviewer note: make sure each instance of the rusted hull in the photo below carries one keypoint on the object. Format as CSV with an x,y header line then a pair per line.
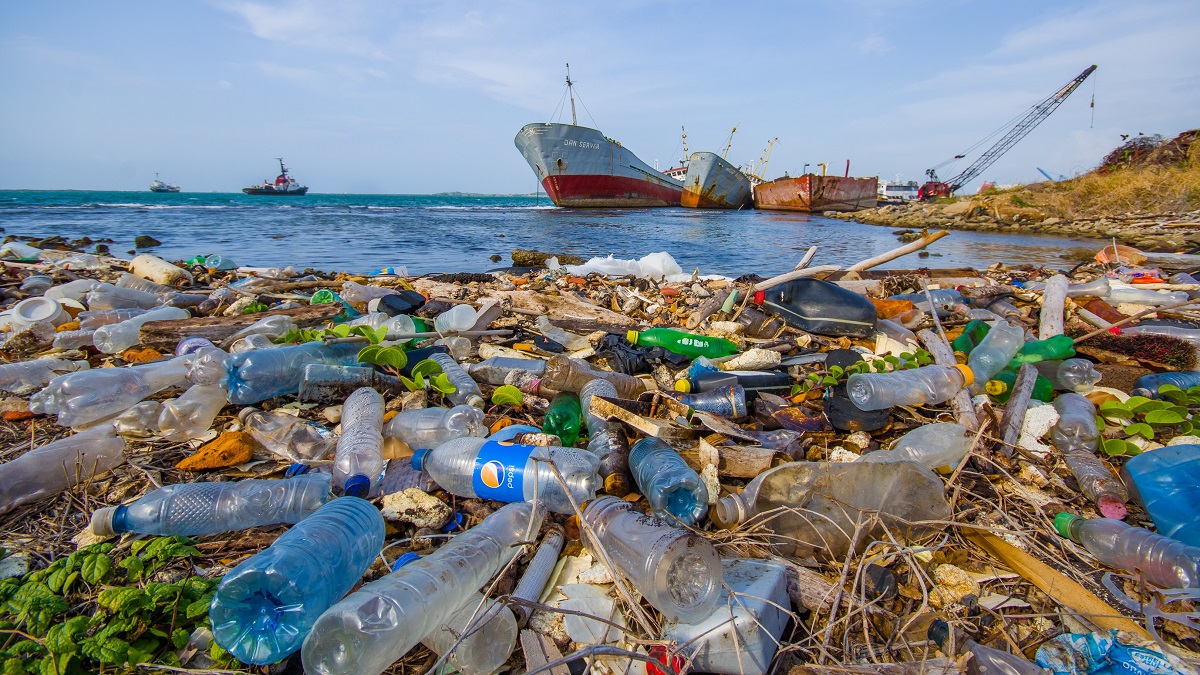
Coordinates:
x,y
816,193
581,168
713,183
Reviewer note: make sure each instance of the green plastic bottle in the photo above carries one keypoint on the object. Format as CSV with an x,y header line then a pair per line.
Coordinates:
x,y
679,342
1050,349
1000,387
972,333
563,418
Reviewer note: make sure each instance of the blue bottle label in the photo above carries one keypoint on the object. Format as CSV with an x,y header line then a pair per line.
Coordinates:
x,y
499,472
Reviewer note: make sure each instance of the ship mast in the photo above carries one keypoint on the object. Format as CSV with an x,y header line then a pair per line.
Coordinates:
x,y
281,169
725,154
685,148
574,121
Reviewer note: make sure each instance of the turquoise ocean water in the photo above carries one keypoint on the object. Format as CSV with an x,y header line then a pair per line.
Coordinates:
x,y
457,233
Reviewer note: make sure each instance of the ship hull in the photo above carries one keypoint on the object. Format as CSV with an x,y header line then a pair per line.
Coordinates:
x,y
581,168
713,183
816,194
164,189
276,193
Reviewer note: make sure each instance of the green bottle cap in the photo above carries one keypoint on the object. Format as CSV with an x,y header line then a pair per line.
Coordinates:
x,y
632,336
1062,523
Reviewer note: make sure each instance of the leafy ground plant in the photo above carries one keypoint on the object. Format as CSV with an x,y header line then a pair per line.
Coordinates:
x,y
1148,419
836,374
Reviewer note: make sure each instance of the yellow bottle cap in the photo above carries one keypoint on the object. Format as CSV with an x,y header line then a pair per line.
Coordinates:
x,y
632,336
683,386
968,376
995,387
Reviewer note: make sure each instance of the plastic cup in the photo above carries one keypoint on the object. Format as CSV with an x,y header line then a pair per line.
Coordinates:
x,y
36,310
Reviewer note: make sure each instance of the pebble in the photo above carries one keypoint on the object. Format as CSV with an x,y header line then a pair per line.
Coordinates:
x,y
953,584
417,507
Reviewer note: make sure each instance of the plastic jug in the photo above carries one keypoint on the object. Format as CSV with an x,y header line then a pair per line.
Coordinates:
x,y
820,307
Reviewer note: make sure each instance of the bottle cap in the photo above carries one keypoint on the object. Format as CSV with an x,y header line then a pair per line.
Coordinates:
x,y
357,486
995,387
418,458
102,522
760,297
1062,523
405,559
938,632
683,386
296,470
454,524
632,336
968,376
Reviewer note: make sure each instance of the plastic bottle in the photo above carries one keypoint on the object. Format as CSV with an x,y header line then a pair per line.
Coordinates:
x,y
570,341
1166,484
1051,349
1000,387
1147,385
933,446
208,367
459,346
107,296
193,509
1165,562
751,381
490,631
564,373
820,307
287,435
1191,335
1005,309
359,294
72,290
891,332
265,607
258,375
680,342
477,467
430,427
985,660
1141,296
47,470
1076,430
139,420
563,418
127,280
191,415
377,624
273,326
537,574
85,397
118,337
759,324
672,488
606,440
466,391
24,376
496,369
93,319
1075,375
944,299
994,352
728,401
928,385
359,462
457,318
158,270
677,571
1077,437
36,284
73,339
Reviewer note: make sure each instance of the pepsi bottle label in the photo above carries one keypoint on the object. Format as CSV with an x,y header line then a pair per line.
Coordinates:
x,y
499,472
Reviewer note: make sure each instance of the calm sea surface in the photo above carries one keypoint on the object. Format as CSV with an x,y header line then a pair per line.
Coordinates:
x,y
457,233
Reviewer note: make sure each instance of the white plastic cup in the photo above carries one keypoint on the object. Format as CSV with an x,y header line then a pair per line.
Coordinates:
x,y
34,310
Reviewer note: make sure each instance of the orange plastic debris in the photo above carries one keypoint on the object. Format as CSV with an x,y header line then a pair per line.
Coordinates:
x,y
229,449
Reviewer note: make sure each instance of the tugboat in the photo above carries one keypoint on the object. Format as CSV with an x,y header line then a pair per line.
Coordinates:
x,y
157,185
284,185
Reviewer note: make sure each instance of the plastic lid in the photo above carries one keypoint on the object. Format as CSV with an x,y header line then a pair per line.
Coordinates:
x,y
454,524
102,522
357,486
683,386
632,336
403,560
296,470
33,310
938,631
995,387
418,458
1062,523
968,376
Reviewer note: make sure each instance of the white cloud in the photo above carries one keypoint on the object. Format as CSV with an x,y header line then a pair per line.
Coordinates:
x,y
874,44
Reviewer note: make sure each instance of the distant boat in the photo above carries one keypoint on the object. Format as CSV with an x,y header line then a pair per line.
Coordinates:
x,y
284,185
814,193
713,183
157,185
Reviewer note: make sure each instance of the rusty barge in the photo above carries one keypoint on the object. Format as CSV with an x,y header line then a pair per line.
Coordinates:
x,y
814,193
713,183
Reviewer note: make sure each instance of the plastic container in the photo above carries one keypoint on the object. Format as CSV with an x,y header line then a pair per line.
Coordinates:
x,y
430,427
287,435
673,489
945,300
1191,335
477,467
570,341
38,310
361,294
563,418
728,401
1147,385
359,462
23,377
928,385
820,307
139,420
537,574
107,296
459,346
191,415
676,570
457,318
83,398
36,284
127,280
994,352
266,606
934,446
258,375
159,271
1077,437
563,373
985,660
495,370
606,440
402,303
1000,387
377,624
274,326
91,320
1165,562
118,337
193,509
1166,484
1051,349
48,470
73,339
466,391
680,342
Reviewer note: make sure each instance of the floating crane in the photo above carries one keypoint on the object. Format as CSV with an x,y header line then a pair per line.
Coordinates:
x,y
936,188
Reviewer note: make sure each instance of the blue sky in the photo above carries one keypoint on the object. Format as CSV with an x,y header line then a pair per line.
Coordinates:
x,y
416,96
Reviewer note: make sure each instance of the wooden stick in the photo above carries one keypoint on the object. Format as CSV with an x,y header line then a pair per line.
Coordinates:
x,y
943,355
795,274
808,256
1018,402
1054,297
896,253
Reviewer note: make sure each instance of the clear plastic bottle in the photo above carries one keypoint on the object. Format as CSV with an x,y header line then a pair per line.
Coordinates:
x,y
139,421
933,446
1076,375
495,370
459,346
1165,562
1005,309
287,435
359,462
537,574
93,319
1147,385
127,280
266,606
676,570
107,296
272,327
466,391
985,660
571,341
72,290
430,427
564,373
1077,437
36,284
994,352
1076,430
118,337
928,385
73,339
728,401
1166,484
24,376
607,440
564,417
358,293
1142,296
193,509
377,624
1191,335
945,300
47,470
672,488
477,467
88,396
457,318
266,373
208,367
191,415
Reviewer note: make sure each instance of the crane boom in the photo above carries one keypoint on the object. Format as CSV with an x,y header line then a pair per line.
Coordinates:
x,y
1039,112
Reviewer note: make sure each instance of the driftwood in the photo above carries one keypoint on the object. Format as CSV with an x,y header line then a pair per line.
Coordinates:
x,y
1018,402
708,307
217,328
794,274
943,355
736,461
938,666
896,253
1054,297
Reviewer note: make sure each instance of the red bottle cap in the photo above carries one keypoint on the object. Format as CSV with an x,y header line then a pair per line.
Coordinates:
x,y
760,297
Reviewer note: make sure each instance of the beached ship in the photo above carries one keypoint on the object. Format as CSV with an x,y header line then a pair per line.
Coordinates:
x,y
284,185
157,185
814,193
714,183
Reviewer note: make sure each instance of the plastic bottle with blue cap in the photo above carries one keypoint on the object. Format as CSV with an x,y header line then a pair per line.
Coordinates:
x,y
358,462
673,489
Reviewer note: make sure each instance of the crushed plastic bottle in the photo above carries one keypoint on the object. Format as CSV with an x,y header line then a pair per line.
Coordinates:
x,y
607,440
944,300
564,417
497,370
993,353
466,392
266,606
25,376
570,341
357,293
274,326
191,415
682,343
1166,484
107,296
672,488
564,373
258,375
85,397
359,462
1142,296
72,290
49,469
1165,562
193,509
118,337
288,436
430,427
208,367
928,385
933,446
1077,437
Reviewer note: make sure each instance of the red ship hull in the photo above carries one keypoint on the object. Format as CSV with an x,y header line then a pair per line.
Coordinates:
x,y
600,191
816,193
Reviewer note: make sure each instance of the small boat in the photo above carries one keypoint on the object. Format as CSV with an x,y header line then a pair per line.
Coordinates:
x,y
157,185
284,185
816,194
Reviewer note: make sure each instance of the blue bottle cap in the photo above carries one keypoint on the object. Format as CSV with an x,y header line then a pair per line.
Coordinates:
x,y
454,524
357,486
296,470
405,559
418,458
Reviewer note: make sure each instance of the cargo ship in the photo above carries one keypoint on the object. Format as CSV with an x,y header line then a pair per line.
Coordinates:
x,y
714,183
582,168
284,185
814,193
158,185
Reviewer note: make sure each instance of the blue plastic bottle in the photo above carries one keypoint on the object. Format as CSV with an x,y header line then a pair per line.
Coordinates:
x,y
1147,385
667,482
1166,484
266,373
266,606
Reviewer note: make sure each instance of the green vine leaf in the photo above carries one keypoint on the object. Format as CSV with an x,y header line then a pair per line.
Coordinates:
x,y
442,383
1117,447
426,367
95,568
1140,429
510,395
1163,417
